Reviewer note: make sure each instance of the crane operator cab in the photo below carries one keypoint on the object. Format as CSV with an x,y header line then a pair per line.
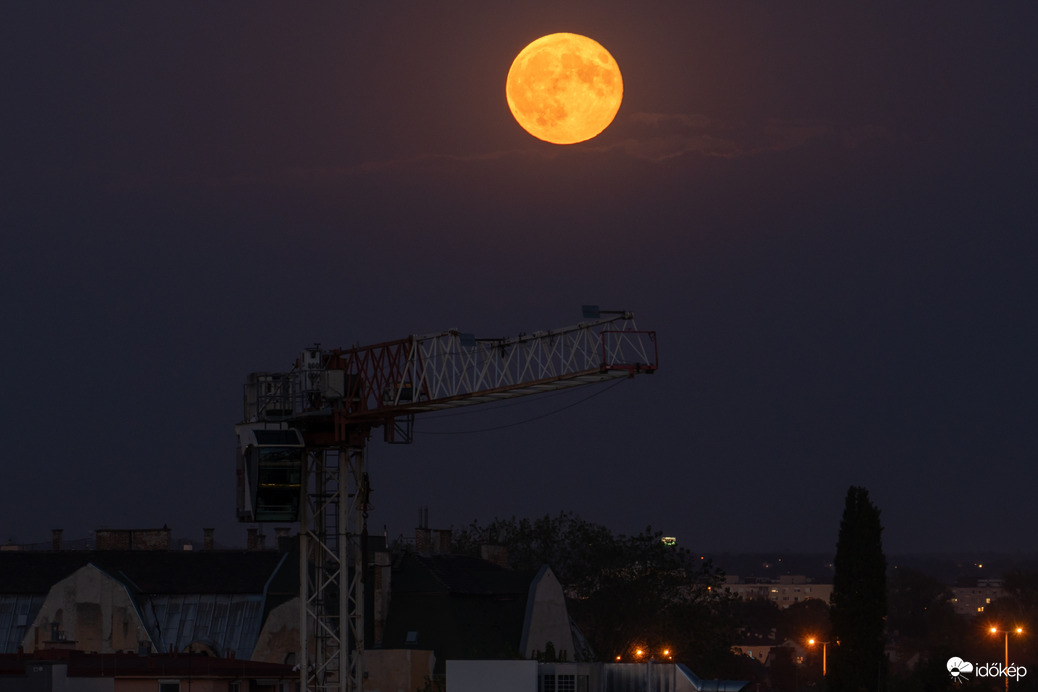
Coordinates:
x,y
271,458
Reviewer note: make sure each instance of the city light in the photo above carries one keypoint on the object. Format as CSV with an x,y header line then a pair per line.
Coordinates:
x,y
641,653
1016,630
811,642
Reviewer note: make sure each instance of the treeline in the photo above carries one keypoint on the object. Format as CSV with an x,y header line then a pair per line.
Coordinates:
x,y
628,594
637,593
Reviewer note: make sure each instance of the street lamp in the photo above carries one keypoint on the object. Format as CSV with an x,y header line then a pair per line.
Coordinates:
x,y
812,641
1015,630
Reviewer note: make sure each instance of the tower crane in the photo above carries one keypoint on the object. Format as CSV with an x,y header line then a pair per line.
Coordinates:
x,y
303,439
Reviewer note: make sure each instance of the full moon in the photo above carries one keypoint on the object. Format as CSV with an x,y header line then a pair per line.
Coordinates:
x,y
564,88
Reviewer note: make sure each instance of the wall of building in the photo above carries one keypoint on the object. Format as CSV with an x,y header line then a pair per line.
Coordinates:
x,y
783,595
524,676
547,619
187,684
973,600
278,641
87,611
47,676
397,670
499,676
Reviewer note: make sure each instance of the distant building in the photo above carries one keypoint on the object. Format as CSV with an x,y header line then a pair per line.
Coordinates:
x,y
971,597
784,592
531,676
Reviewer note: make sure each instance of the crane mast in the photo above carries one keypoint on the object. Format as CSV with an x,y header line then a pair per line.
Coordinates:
x,y
303,442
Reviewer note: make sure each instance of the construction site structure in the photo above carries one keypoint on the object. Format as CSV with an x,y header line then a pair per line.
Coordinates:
x,y
303,440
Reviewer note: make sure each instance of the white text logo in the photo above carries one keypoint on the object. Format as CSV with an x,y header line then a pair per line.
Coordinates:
x,y
959,669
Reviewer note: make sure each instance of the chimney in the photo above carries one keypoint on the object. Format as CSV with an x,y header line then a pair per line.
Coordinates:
x,y
422,534
151,539
255,540
283,539
423,541
441,543
112,539
55,539
207,539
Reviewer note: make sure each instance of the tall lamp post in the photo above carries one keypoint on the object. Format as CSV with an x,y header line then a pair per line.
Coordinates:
x,y
1015,630
812,641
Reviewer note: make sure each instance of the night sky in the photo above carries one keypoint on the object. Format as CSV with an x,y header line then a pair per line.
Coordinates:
x,y
826,212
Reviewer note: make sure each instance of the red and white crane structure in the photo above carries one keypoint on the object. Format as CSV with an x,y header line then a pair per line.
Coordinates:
x,y
303,440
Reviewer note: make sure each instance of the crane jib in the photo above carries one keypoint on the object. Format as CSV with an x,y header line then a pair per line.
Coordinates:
x,y
374,385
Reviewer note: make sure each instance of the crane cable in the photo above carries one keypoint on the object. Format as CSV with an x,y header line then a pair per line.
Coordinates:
x,y
525,421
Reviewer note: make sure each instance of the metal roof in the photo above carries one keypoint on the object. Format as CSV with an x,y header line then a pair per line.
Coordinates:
x,y
227,623
17,612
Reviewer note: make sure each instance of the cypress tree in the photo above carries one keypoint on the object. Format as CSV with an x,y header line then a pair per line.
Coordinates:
x,y
859,599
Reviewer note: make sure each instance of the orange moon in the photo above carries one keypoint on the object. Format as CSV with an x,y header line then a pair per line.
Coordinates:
x,y
564,88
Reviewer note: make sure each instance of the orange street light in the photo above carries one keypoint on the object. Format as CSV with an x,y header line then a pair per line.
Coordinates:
x,y
812,641
1015,630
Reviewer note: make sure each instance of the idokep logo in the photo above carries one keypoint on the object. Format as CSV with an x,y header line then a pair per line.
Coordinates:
x,y
960,670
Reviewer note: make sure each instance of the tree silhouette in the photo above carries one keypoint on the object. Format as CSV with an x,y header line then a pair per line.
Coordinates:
x,y
859,600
